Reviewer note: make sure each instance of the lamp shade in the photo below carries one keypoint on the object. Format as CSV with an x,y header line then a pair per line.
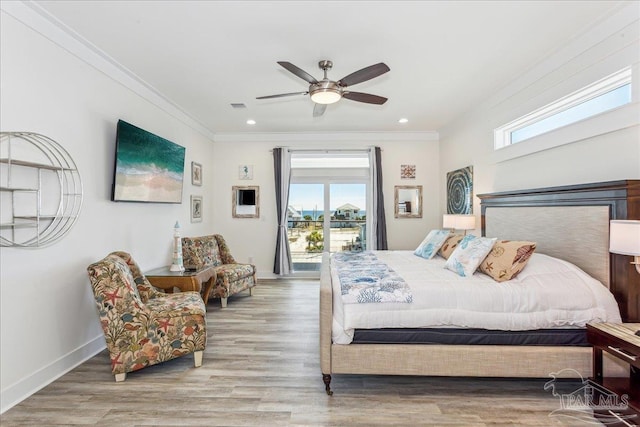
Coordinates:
x,y
325,96
459,222
624,237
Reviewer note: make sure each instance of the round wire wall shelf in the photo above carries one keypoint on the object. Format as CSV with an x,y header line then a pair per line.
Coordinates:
x,y
40,190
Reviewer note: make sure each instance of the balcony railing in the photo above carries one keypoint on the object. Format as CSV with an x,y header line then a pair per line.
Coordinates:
x,y
306,240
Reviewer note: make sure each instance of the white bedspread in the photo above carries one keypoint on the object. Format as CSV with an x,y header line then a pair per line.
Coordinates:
x,y
548,293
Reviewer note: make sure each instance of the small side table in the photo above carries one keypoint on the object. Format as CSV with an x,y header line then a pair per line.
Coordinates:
x,y
619,340
184,280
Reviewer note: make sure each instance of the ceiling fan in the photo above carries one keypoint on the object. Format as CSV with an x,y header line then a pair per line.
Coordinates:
x,y
327,91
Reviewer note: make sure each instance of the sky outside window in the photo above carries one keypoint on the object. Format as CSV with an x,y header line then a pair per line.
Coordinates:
x,y
309,197
599,104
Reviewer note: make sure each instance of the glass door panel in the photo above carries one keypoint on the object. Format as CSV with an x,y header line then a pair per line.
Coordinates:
x,y
305,218
347,229
325,217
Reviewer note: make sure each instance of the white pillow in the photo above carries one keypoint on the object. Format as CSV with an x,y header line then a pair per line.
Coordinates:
x,y
471,251
430,245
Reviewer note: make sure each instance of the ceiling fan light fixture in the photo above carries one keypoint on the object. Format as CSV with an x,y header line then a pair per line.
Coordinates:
x,y
325,96
325,92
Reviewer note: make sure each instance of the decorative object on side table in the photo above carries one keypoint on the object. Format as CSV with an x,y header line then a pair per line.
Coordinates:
x,y
624,239
196,173
196,208
176,263
460,191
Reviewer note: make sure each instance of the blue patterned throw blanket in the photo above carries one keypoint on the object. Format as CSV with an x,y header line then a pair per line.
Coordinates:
x,y
365,279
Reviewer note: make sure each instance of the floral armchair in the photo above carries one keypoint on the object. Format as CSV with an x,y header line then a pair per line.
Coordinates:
x,y
142,326
231,277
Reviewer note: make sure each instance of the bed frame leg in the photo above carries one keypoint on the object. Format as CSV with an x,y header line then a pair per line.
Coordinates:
x,y
326,378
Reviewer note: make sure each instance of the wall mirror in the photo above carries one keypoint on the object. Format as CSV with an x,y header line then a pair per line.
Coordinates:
x,y
246,202
408,201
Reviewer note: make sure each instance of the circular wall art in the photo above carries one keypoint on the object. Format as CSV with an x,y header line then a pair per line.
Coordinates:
x,y
40,190
460,191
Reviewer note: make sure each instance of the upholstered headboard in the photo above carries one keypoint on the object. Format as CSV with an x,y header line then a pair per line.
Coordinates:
x,y
572,223
578,234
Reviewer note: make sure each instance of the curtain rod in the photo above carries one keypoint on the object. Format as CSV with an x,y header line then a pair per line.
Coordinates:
x,y
316,150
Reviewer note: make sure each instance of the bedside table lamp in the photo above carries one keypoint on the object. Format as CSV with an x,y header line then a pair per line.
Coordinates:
x,y
624,239
459,222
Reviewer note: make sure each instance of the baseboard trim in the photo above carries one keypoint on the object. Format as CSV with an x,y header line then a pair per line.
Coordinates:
x,y
17,392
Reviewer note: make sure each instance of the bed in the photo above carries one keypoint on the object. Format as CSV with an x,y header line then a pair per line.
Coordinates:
x,y
570,223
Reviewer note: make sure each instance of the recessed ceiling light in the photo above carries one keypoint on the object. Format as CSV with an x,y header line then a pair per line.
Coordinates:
x,y
251,122
403,120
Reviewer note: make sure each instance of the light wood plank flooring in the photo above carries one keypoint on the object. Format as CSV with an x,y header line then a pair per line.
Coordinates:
x,y
261,368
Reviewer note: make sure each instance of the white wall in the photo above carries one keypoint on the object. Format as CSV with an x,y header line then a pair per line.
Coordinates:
x,y
612,155
48,320
255,237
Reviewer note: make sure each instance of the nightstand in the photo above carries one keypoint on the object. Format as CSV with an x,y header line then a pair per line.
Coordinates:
x,y
619,340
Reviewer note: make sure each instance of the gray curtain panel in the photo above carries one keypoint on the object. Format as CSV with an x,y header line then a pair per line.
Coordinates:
x,y
379,223
282,170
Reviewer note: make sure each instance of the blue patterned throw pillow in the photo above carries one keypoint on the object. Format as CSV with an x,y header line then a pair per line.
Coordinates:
x,y
471,251
430,245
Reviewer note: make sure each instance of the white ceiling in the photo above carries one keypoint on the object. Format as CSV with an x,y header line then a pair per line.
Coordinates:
x,y
445,56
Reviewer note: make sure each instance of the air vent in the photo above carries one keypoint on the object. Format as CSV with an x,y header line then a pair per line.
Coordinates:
x,y
238,105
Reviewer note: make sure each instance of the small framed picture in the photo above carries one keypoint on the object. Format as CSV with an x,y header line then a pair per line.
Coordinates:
x,y
196,208
245,172
196,173
407,171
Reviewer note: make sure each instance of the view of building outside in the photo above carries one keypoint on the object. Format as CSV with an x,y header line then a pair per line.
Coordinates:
x,y
306,214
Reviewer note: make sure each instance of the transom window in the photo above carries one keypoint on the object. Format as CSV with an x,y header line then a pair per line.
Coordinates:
x,y
604,95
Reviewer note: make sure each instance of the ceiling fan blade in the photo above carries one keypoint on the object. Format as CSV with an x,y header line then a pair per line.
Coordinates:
x,y
282,95
364,97
365,74
319,109
298,72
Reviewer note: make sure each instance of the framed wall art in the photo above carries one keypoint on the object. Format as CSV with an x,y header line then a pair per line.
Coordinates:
x,y
148,168
245,171
460,191
196,208
196,173
407,171
245,202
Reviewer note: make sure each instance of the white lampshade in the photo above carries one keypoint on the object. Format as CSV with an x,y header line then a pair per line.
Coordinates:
x,y
459,222
624,237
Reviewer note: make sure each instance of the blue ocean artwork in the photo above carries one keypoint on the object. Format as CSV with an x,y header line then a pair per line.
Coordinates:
x,y
148,167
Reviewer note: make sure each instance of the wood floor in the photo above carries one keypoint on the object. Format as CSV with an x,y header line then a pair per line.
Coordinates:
x,y
261,368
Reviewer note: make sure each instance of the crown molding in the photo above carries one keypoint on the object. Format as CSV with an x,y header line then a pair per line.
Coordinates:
x,y
39,20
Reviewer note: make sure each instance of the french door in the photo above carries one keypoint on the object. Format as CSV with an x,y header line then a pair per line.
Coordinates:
x,y
325,215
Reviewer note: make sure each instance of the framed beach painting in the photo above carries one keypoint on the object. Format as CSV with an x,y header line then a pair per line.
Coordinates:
x,y
148,168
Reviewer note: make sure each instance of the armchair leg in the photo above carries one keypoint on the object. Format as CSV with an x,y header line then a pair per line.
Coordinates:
x,y
223,301
197,357
121,377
